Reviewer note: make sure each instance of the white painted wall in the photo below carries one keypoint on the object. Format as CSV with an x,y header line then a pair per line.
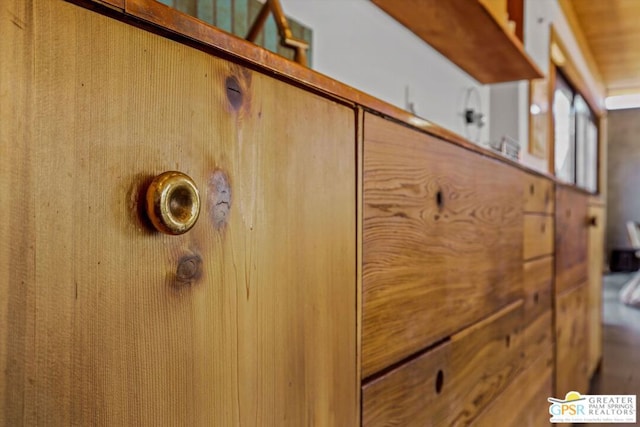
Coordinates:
x,y
356,43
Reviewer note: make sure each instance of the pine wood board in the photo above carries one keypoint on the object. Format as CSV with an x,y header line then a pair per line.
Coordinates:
x,y
442,239
97,325
477,364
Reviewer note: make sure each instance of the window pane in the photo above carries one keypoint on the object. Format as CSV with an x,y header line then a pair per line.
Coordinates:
x,y
564,144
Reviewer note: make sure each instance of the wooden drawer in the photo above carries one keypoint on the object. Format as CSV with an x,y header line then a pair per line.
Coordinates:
x,y
571,341
452,383
538,338
538,287
538,236
524,401
571,241
442,240
538,194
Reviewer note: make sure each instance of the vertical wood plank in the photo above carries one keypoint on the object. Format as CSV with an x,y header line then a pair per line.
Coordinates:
x,y
97,328
17,207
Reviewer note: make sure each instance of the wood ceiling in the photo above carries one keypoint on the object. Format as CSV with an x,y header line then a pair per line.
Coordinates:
x,y
612,32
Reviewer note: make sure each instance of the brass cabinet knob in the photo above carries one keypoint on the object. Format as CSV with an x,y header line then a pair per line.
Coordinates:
x,y
173,203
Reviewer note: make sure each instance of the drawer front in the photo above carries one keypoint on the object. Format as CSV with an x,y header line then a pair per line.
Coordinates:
x,y
442,240
538,287
524,401
571,341
538,338
571,241
452,383
538,195
538,236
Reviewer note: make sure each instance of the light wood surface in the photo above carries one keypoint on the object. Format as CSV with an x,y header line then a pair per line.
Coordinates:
x,y
476,365
596,261
538,194
17,205
571,330
107,323
430,268
524,401
571,241
613,35
538,236
538,287
466,33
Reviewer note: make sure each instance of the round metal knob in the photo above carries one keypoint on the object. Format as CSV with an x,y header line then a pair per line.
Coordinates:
x,y
173,203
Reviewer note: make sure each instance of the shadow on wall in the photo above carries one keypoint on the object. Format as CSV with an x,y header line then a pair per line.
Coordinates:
x,y
623,176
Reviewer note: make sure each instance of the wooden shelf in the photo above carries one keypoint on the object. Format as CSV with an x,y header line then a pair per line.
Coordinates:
x,y
467,34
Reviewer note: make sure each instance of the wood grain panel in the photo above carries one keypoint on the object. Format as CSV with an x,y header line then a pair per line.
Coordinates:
x,y
476,365
596,261
571,241
108,323
571,341
612,33
538,194
524,401
538,287
17,205
538,236
442,240
538,339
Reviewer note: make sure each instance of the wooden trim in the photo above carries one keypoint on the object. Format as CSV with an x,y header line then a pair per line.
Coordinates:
x,y
359,247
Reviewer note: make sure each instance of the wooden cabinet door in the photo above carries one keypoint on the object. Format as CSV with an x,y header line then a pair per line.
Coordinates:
x,y
571,245
247,319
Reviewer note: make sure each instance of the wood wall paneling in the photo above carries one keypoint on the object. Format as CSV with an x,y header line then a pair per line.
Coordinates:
x,y
474,367
442,243
104,321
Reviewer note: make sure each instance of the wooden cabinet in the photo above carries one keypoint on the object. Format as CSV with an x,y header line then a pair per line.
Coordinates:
x,y
346,268
247,319
571,238
442,240
452,383
573,333
572,341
